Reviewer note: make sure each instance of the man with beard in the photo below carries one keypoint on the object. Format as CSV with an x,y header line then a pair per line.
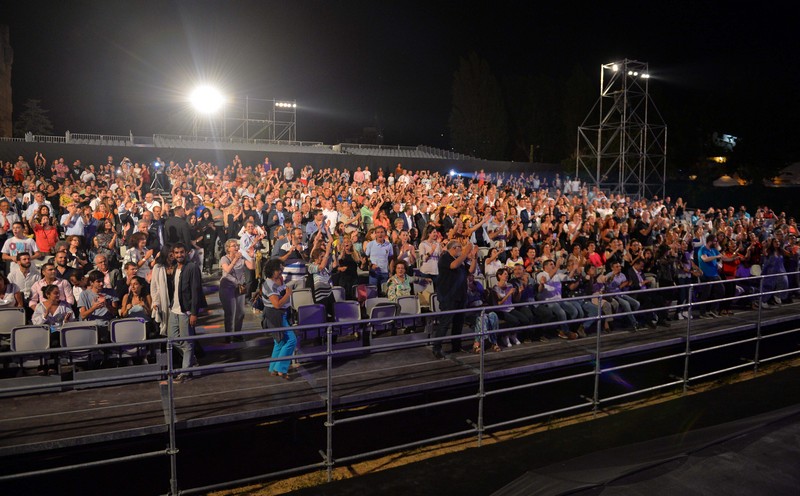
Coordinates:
x,y
185,299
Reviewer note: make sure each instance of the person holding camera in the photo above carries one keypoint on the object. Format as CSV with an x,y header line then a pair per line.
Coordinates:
x,y
232,288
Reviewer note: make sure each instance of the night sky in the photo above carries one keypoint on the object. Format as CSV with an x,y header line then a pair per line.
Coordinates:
x,y
103,67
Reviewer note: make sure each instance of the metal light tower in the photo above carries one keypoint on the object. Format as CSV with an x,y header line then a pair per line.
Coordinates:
x,y
622,142
256,118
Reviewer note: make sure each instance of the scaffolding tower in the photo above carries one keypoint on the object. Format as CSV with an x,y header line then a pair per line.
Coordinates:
x,y
252,119
622,142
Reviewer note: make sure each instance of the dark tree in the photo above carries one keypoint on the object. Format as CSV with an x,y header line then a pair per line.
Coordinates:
x,y
478,121
33,119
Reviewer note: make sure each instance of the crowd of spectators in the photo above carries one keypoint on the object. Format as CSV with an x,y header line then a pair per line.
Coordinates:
x,y
106,232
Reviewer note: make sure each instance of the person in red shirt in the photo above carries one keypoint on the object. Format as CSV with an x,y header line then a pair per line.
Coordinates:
x,y
44,233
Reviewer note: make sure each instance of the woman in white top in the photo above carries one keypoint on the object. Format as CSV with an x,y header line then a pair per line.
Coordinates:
x,y
10,294
52,311
491,263
429,251
159,291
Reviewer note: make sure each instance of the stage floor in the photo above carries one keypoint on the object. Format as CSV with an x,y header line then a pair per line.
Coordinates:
x,y
53,420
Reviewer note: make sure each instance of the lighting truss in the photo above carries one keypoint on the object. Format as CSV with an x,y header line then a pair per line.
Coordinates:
x,y
622,142
255,119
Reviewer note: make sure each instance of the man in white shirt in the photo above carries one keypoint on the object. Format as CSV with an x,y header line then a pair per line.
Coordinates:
x,y
24,276
150,202
38,201
288,172
7,219
330,214
17,244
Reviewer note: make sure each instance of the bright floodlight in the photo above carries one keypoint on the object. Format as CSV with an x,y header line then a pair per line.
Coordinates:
x,y
646,76
206,99
615,67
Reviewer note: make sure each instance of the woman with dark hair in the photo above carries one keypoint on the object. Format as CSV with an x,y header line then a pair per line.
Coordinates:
x,y
382,220
772,265
320,269
44,232
197,254
159,290
277,299
505,293
429,251
54,312
105,243
400,282
136,303
205,225
76,256
10,294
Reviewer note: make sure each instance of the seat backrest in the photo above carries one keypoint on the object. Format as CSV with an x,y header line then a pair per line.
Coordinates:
x,y
384,310
301,297
130,330
338,293
11,317
311,314
346,310
85,335
491,281
371,302
434,302
30,338
409,305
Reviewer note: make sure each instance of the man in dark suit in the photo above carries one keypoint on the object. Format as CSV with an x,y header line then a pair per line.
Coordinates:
x,y
408,217
275,218
156,236
525,214
421,218
647,300
395,213
448,222
176,229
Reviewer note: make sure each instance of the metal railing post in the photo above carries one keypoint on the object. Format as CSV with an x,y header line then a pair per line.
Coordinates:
x,y
596,393
481,376
173,448
688,335
758,325
329,404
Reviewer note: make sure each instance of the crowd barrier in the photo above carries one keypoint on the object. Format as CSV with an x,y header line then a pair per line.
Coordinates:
x,y
591,401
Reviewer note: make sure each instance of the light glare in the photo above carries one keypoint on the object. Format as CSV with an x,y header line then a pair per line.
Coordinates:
x,y
206,99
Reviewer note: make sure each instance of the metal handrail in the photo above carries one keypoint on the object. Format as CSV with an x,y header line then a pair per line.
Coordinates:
x,y
329,461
